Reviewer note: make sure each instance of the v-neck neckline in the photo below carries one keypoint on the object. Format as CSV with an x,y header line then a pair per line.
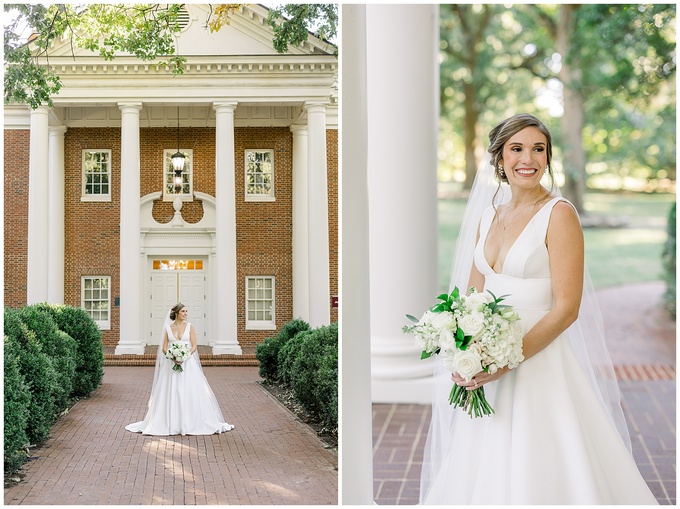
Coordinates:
x,y
186,324
514,242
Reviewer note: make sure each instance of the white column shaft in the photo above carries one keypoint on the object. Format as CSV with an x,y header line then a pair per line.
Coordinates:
x,y
224,294
357,459
38,197
402,164
300,224
56,239
319,264
131,335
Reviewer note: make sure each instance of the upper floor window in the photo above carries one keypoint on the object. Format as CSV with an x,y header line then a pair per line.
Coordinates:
x,y
259,175
96,175
96,299
178,185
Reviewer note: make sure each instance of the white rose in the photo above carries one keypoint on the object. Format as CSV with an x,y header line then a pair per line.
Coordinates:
x,y
474,300
444,320
472,324
446,340
427,317
467,364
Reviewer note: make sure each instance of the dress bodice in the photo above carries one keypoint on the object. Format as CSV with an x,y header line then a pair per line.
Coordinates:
x,y
526,269
186,338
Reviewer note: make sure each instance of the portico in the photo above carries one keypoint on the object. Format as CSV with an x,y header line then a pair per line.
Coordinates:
x,y
219,98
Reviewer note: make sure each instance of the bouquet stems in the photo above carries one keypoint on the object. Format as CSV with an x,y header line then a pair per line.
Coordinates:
x,y
473,402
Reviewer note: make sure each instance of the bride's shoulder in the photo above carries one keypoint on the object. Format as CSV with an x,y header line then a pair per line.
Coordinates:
x,y
564,214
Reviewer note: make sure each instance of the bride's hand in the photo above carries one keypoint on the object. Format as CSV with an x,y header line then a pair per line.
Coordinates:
x,y
478,380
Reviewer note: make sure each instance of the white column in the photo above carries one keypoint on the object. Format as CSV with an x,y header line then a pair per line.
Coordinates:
x,y
319,264
225,286
355,321
300,224
56,239
402,162
38,196
131,335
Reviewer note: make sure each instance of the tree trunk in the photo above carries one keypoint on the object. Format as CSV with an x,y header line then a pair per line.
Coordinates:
x,y
471,117
573,119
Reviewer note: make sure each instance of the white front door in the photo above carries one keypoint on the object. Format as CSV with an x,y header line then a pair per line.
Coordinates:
x,y
168,287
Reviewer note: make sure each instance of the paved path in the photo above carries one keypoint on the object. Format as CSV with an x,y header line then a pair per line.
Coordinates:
x,y
269,458
641,339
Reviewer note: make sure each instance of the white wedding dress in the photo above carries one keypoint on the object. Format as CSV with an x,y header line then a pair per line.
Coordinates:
x,y
550,440
181,403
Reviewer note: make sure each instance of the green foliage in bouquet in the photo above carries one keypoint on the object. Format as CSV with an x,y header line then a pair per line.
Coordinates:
x,y
16,409
89,354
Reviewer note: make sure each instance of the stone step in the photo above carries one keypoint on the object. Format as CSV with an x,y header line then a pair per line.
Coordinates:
x,y
205,352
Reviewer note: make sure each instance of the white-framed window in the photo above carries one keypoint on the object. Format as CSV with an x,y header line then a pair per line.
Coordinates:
x,y
259,165
96,299
260,303
96,175
186,189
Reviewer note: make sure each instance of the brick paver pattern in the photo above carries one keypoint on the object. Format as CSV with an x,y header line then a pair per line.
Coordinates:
x,y
641,339
269,458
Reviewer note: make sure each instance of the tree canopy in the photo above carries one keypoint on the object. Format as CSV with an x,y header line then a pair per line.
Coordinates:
x,y
146,31
602,77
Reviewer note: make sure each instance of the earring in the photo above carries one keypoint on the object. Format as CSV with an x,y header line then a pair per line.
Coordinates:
x,y
501,171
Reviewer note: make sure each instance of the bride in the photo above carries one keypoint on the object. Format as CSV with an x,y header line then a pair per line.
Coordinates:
x,y
181,402
558,435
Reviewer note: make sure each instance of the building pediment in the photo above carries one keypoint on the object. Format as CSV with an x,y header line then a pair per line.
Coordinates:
x,y
247,34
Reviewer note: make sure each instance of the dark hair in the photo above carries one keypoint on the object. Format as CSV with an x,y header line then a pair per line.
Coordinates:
x,y
500,134
174,311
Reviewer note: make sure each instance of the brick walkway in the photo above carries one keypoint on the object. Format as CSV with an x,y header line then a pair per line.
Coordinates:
x,y
269,458
641,339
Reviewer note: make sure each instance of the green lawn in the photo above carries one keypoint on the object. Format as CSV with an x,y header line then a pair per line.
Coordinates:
x,y
615,256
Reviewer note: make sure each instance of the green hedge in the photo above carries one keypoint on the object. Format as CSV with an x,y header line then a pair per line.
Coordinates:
x,y
58,346
52,354
267,352
40,375
668,259
16,406
307,363
90,350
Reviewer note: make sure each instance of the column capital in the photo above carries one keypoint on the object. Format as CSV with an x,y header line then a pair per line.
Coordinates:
x,y
299,129
224,106
56,130
316,106
130,107
40,110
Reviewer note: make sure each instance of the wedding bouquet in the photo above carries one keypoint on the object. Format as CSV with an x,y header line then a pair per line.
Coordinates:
x,y
178,352
471,334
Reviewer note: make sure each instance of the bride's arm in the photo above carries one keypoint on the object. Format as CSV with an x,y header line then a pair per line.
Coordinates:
x,y
192,337
565,249
165,342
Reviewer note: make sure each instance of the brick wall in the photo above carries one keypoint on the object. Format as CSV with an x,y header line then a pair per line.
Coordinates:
x,y
264,229
332,156
16,215
92,235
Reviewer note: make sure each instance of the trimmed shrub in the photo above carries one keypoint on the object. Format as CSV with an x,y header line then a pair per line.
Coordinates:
x,y
90,350
327,387
16,406
39,374
59,347
306,378
668,260
267,352
288,357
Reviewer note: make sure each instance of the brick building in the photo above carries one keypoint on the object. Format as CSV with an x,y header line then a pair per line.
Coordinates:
x,y
244,232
